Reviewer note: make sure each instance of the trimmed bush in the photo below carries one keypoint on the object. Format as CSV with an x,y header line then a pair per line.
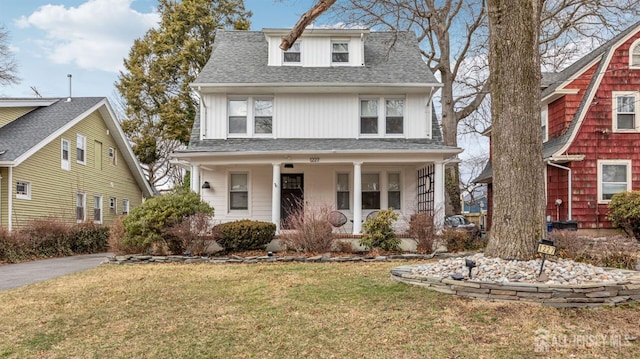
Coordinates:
x,y
150,223
379,231
244,235
88,238
624,212
457,241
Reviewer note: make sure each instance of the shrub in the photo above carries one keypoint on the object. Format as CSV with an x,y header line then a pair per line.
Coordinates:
x,y
615,252
48,237
150,223
117,240
457,241
312,231
244,235
422,230
379,231
88,238
191,236
624,212
343,246
14,247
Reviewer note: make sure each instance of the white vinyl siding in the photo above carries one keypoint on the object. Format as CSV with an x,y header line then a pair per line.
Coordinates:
x,y
316,51
614,176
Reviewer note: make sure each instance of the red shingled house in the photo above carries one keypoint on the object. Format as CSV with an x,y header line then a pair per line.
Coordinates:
x,y
590,115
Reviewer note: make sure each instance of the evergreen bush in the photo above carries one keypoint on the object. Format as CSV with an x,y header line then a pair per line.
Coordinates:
x,y
624,212
244,235
379,231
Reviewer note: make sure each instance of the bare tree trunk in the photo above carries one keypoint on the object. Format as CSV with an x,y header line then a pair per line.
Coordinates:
x,y
514,62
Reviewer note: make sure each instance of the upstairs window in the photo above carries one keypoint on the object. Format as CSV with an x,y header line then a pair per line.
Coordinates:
x,y
339,52
368,116
624,111
292,56
81,148
394,117
634,55
263,116
342,189
237,116
250,116
65,164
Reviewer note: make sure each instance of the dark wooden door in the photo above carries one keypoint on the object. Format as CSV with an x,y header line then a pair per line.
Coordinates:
x,y
292,196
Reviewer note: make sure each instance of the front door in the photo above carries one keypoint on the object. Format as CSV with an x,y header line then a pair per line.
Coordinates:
x,y
292,196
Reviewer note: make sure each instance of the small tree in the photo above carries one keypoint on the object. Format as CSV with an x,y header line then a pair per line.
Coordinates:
x,y
379,232
624,212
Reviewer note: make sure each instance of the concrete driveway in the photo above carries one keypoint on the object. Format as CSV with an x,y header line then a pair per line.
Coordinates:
x,y
19,274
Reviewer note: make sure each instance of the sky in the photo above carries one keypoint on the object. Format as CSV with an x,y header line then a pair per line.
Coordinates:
x,y
89,39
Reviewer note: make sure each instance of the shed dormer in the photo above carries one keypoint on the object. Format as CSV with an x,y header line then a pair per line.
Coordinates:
x,y
318,48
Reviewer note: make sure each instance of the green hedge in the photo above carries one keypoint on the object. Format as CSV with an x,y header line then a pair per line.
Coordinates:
x,y
244,235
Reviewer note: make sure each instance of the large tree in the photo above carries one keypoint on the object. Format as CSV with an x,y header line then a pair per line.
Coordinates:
x,y
159,105
8,65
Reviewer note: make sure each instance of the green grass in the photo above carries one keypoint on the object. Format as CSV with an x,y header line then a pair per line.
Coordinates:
x,y
341,310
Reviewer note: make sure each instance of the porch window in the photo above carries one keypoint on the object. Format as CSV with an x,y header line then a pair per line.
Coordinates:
x,y
238,191
624,112
292,56
97,209
80,206
125,206
394,116
81,148
23,190
614,176
263,116
65,164
237,116
368,116
634,55
371,191
339,52
342,188
393,190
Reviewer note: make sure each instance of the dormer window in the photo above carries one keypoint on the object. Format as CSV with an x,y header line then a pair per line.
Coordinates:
x,y
340,52
292,56
634,55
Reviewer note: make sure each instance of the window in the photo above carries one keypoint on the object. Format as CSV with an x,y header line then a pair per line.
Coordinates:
x,y
293,54
263,116
80,206
342,188
97,209
394,116
544,120
340,52
113,204
112,156
393,190
634,55
371,191
238,116
65,164
81,146
238,191
258,109
368,116
125,206
614,177
624,111
23,190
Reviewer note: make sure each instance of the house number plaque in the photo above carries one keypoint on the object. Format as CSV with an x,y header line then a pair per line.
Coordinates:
x,y
314,159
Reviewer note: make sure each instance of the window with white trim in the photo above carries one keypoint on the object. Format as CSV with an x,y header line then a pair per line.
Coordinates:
x,y
23,190
634,55
342,191
250,116
393,190
292,56
544,122
125,206
65,145
339,52
614,176
81,149
81,204
238,191
113,156
97,208
370,191
394,117
625,111
368,116
113,204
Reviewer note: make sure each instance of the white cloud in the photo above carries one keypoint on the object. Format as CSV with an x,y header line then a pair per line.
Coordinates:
x,y
95,35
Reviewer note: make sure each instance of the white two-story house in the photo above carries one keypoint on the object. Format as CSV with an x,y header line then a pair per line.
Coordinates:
x,y
342,119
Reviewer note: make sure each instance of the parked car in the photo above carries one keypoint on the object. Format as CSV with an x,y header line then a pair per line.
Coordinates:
x,y
461,223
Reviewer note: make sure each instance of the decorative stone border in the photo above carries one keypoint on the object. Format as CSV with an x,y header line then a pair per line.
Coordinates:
x,y
595,294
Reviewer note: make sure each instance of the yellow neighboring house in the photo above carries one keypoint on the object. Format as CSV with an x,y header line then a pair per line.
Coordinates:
x,y
66,158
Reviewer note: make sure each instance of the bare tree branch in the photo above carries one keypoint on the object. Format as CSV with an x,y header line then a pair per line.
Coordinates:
x,y
306,19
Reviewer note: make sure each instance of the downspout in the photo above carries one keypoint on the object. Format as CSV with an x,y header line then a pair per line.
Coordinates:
x,y
569,183
10,199
203,116
0,201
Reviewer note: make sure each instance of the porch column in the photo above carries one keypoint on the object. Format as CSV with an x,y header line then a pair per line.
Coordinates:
x,y
275,197
438,195
195,178
357,197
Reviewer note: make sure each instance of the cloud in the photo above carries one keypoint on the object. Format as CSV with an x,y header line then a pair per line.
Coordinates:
x,y
95,35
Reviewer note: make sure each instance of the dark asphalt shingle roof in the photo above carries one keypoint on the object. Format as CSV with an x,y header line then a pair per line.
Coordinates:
x,y
241,57
22,134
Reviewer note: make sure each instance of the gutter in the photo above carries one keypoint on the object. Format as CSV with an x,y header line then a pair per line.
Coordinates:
x,y
549,163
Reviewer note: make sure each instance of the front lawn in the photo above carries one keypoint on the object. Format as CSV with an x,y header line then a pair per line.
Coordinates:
x,y
295,310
